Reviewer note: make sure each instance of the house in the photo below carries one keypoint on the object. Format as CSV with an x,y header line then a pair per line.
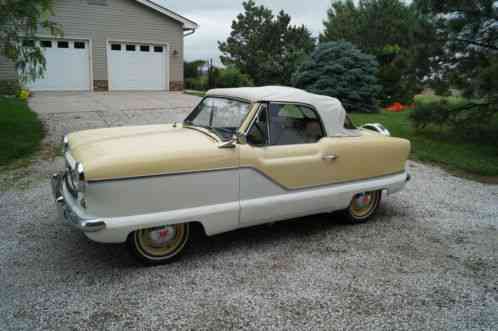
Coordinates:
x,y
112,45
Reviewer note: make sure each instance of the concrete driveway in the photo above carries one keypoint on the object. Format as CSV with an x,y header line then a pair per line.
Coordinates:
x,y
64,112
75,102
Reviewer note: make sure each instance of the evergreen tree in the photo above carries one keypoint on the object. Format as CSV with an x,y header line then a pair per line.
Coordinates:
x,y
341,70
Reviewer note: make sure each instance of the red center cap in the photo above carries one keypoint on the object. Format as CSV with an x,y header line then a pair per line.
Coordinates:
x,y
163,233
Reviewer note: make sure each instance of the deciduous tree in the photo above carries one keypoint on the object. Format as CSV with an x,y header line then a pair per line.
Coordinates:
x,y
388,29
266,47
20,21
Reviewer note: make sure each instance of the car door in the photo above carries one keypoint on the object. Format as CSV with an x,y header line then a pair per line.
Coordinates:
x,y
284,160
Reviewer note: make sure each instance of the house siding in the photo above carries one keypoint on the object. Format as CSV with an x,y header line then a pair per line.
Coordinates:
x,y
115,20
7,69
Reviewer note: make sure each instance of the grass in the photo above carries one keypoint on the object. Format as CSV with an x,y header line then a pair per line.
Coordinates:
x,y
20,130
428,145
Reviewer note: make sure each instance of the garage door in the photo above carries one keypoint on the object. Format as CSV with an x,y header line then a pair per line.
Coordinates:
x,y
134,66
68,66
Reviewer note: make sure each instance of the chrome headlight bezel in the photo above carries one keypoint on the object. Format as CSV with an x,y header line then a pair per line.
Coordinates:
x,y
65,144
76,177
79,177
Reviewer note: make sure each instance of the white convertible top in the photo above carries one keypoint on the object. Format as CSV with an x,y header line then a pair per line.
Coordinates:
x,y
330,109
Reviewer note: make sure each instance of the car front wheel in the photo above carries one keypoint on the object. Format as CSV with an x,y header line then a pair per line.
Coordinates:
x,y
363,206
159,245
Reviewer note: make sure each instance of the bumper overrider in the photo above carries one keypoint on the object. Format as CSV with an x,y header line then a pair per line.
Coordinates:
x,y
67,210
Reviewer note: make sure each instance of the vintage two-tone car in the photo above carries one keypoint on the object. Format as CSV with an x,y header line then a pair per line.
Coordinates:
x,y
243,157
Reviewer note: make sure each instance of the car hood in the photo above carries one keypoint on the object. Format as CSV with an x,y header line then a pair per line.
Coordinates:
x,y
137,151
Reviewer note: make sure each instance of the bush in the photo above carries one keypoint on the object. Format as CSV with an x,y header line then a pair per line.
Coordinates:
x,y
232,77
340,70
469,118
222,78
198,84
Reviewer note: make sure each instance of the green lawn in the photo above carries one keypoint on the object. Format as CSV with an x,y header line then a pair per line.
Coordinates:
x,y
452,152
20,130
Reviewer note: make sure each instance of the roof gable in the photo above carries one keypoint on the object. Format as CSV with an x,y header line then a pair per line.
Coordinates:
x,y
187,24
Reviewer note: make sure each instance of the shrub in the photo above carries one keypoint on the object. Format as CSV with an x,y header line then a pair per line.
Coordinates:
x,y
340,70
232,77
469,118
198,84
222,78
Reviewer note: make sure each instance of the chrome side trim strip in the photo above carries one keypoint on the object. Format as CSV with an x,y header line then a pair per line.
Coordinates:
x,y
242,167
164,174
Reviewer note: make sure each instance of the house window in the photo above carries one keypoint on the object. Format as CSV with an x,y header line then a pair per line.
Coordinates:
x,y
28,43
158,49
116,47
62,44
130,48
144,48
46,43
79,44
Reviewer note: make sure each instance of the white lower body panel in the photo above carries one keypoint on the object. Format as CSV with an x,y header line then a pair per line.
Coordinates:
x,y
254,207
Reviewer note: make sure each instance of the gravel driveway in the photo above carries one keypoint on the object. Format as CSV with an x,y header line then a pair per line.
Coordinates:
x,y
429,261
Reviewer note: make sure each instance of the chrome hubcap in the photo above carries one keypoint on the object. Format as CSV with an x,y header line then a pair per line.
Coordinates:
x,y
362,200
160,237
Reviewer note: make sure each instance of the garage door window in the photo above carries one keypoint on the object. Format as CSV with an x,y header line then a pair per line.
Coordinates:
x,y
46,43
62,44
116,47
79,44
158,49
144,48
130,48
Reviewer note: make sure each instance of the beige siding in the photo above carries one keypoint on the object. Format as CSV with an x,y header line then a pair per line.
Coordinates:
x,y
7,69
119,20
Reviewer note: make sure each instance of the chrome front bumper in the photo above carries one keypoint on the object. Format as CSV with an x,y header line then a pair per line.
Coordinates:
x,y
66,211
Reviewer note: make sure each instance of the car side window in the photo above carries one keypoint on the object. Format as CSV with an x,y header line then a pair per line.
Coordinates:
x,y
258,133
294,124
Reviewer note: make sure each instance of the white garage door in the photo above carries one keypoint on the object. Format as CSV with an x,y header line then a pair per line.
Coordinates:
x,y
134,66
68,66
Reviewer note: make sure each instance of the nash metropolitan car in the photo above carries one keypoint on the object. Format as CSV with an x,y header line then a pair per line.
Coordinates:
x,y
244,156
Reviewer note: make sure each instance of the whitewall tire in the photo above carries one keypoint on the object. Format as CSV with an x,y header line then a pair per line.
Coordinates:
x,y
159,245
363,206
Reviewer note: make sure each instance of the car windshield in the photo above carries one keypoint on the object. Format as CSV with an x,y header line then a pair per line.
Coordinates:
x,y
221,115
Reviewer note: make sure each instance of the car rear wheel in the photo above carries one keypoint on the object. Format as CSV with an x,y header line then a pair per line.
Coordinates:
x,y
363,206
159,245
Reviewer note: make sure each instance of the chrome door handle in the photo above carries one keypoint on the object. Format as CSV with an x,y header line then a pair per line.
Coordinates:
x,y
331,157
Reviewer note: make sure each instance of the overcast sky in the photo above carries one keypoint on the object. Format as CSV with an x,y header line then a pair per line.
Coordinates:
x,y
215,18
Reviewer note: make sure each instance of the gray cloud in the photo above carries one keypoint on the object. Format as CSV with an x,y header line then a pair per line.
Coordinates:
x,y
215,19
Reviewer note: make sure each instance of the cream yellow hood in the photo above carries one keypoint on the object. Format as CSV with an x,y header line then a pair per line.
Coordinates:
x,y
146,150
